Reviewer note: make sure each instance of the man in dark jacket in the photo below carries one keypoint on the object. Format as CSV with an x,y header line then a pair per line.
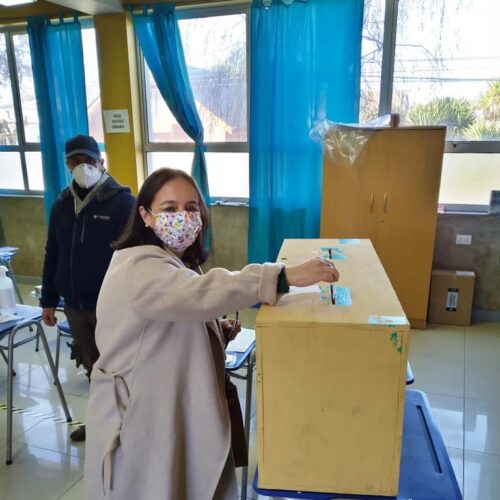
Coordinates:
x,y
86,217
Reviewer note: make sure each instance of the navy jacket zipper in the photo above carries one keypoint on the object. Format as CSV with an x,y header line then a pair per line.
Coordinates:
x,y
72,257
83,228
73,242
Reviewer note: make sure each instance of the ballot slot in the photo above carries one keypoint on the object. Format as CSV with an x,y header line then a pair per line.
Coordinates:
x,y
333,253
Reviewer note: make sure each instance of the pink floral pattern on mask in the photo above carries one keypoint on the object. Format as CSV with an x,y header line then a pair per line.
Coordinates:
x,y
177,230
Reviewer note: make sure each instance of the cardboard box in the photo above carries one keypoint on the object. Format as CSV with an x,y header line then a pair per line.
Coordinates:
x,y
451,297
331,377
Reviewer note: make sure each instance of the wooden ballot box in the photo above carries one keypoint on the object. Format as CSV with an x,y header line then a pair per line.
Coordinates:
x,y
331,377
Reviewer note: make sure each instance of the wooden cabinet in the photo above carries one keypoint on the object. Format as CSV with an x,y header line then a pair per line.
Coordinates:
x,y
390,195
331,378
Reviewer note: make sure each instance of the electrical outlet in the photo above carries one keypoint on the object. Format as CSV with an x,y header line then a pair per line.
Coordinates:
x,y
464,239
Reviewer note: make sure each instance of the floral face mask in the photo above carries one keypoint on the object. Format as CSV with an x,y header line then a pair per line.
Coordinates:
x,y
177,230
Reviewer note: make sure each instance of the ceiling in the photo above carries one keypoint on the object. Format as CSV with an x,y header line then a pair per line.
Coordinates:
x,y
90,7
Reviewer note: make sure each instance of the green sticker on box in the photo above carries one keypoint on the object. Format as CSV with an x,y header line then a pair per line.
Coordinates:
x,y
396,342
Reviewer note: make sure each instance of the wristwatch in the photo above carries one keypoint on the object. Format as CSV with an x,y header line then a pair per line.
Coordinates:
x,y
283,286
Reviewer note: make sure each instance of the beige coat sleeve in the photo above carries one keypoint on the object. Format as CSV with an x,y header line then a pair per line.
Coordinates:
x,y
161,288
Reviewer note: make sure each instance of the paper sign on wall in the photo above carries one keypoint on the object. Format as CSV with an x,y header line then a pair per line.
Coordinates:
x,y
116,121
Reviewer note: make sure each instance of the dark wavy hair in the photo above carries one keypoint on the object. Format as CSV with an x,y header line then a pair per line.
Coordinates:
x,y
137,233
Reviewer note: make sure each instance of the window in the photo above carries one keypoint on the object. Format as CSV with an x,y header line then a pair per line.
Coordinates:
x,y
468,179
20,161
446,68
92,88
20,156
437,63
215,49
371,59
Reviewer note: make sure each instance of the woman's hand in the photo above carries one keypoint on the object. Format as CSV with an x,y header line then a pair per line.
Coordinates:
x,y
230,328
311,271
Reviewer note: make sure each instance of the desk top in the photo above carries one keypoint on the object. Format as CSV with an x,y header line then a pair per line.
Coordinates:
x,y
7,252
26,313
240,358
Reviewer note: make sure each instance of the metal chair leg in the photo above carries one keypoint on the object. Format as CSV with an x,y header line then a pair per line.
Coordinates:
x,y
54,373
58,350
37,342
45,344
7,361
248,415
10,368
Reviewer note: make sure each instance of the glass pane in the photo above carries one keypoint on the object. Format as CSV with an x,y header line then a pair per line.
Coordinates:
x,y
371,59
469,178
182,161
11,175
162,125
8,129
34,168
228,175
227,172
215,52
92,87
446,66
26,88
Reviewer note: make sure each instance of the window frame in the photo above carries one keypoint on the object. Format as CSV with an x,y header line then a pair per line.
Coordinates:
x,y
188,147
22,147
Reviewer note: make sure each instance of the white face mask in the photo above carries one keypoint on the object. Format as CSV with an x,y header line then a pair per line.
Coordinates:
x,y
86,175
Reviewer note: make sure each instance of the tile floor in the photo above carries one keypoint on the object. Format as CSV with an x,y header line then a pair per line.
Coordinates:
x,y
457,367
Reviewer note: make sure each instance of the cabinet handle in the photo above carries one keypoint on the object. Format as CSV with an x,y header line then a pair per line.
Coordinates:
x,y
372,198
385,202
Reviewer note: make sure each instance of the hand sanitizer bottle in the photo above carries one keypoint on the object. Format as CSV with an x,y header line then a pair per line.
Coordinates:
x,y
7,298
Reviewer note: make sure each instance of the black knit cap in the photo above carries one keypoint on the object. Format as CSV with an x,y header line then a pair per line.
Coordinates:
x,y
82,145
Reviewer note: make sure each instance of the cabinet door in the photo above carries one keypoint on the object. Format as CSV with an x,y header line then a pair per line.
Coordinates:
x,y
409,214
351,201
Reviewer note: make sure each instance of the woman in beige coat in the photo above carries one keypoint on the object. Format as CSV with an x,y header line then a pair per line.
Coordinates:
x,y
158,425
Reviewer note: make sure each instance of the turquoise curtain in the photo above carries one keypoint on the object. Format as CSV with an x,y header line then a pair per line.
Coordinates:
x,y
59,79
158,33
305,67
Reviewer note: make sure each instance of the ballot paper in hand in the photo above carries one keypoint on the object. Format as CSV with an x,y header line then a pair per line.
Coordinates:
x,y
242,341
296,290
